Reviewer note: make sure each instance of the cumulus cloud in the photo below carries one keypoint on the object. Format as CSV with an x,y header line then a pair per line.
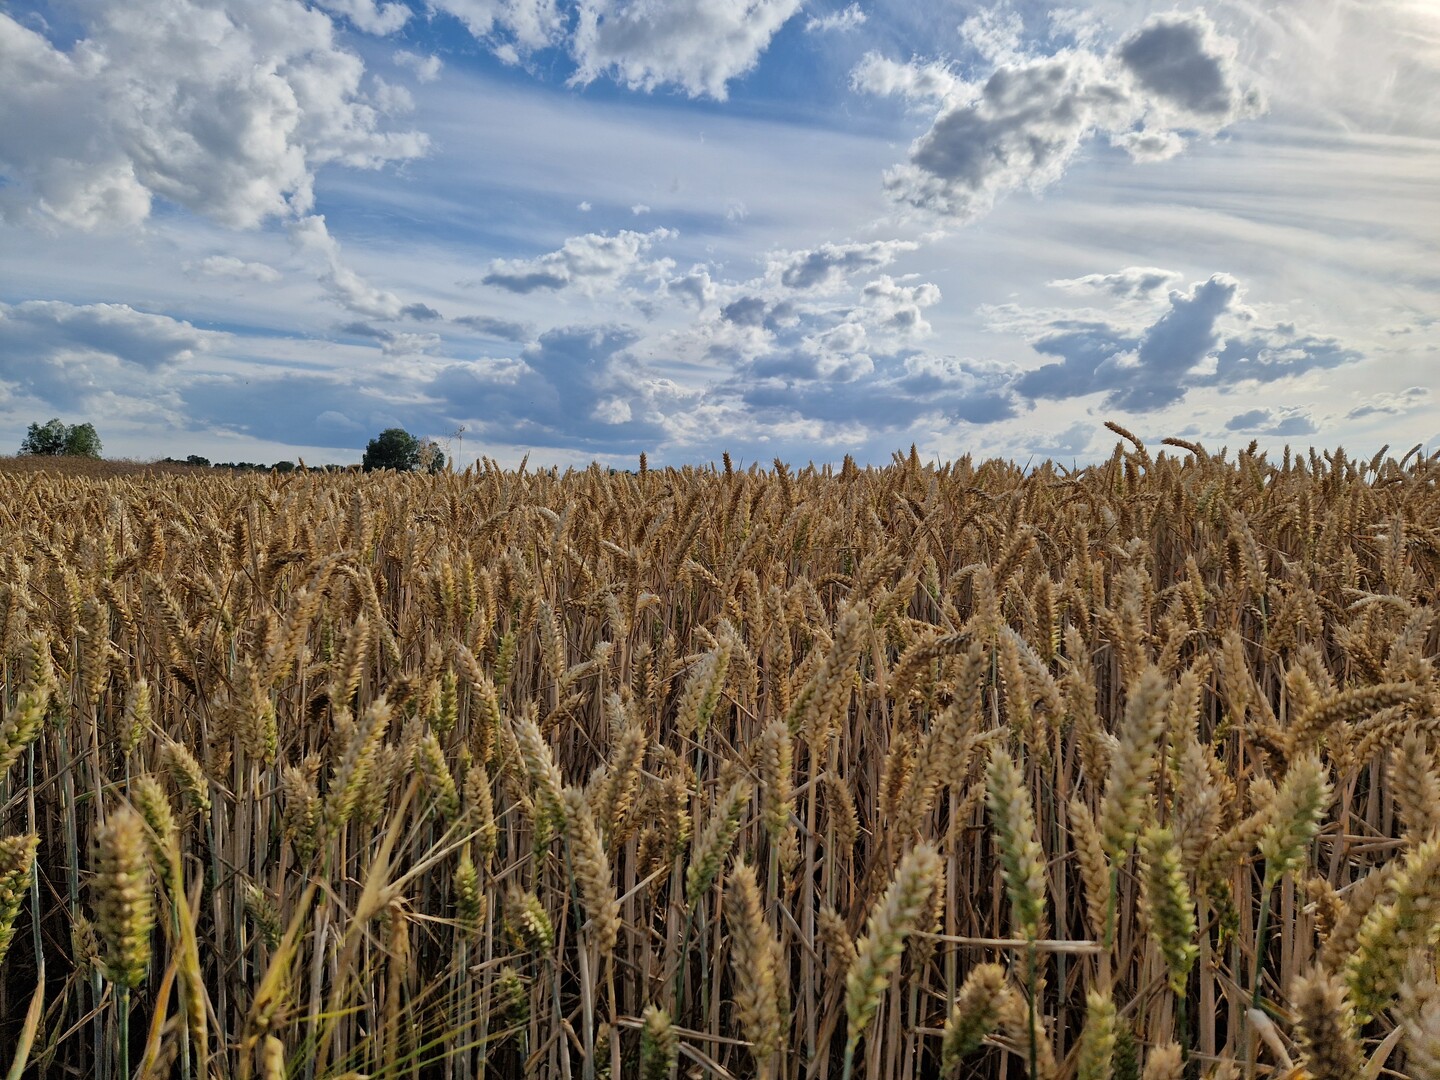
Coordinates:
x,y
696,287
1132,282
227,266
64,353
830,264
345,286
1188,69
1203,337
509,27
1267,421
575,387
394,343
835,354
850,18
370,16
420,313
899,306
225,110
591,262
1029,119
891,393
698,46
426,68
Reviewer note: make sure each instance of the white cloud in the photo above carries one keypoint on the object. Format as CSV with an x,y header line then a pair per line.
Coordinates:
x,y
348,288
510,27
1385,404
899,306
226,110
583,207
370,16
696,287
1133,281
591,262
1030,118
639,208
829,264
850,18
227,266
392,99
426,68
930,82
65,354
995,33
698,46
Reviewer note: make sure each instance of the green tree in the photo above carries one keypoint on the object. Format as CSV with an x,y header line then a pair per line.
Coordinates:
x,y
81,440
45,439
55,438
394,448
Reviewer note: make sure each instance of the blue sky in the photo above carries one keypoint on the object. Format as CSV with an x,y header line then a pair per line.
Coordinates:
x,y
579,229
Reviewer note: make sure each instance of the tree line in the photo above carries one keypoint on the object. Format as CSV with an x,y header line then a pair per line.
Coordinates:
x,y
394,448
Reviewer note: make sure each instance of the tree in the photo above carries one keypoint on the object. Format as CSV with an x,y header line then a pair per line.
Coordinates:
x,y
55,438
432,457
394,448
82,440
46,440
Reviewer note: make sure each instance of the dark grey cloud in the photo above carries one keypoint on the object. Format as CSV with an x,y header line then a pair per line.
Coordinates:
x,y
420,312
1194,343
363,329
759,312
1174,57
1276,353
1412,397
1268,421
525,281
1027,122
1247,421
504,329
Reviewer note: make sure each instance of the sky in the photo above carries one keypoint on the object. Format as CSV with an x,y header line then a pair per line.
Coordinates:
x,y
582,229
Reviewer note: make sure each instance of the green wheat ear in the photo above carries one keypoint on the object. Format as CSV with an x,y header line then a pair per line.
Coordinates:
x,y
659,1045
124,899
17,863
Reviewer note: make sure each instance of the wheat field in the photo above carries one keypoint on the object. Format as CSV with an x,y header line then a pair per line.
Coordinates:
x,y
901,772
